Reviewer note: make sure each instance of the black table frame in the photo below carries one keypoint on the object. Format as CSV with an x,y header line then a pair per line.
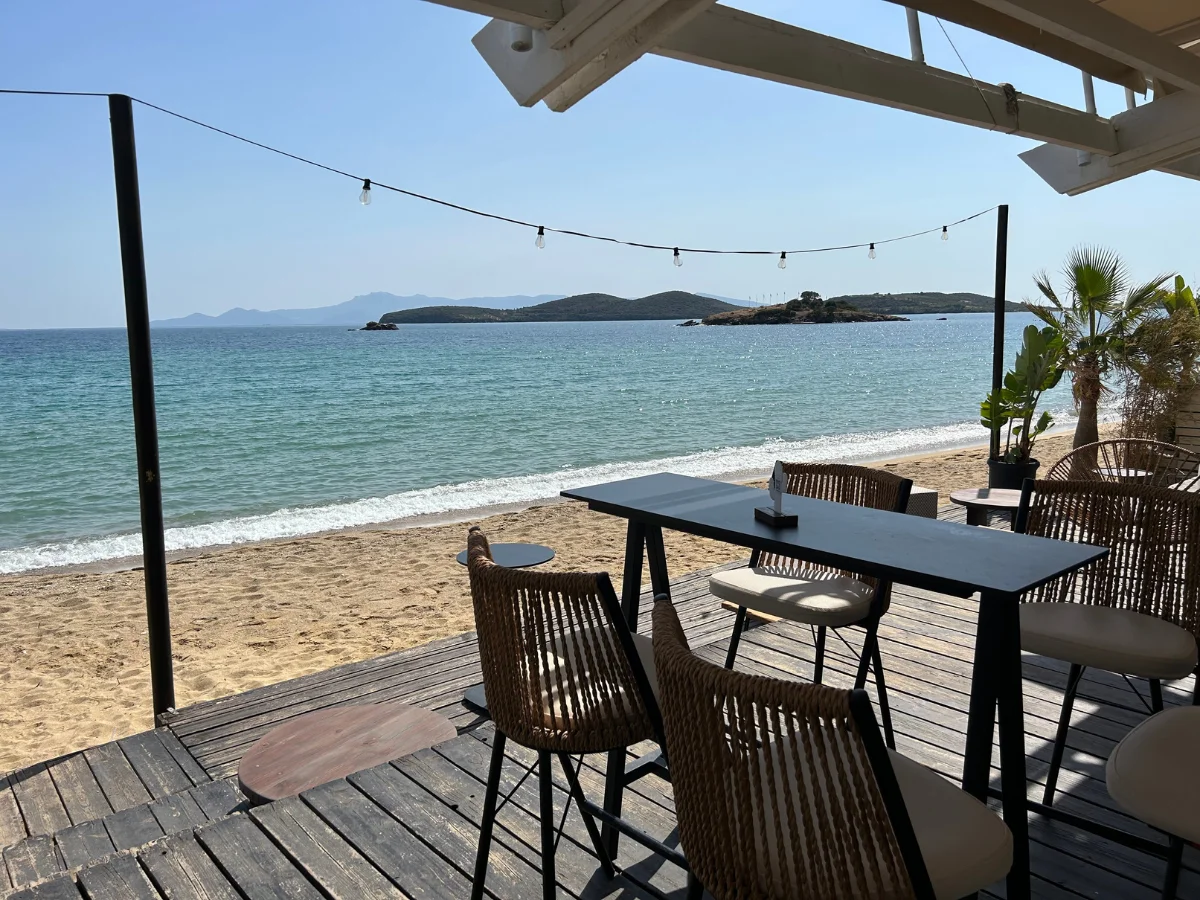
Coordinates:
x,y
996,690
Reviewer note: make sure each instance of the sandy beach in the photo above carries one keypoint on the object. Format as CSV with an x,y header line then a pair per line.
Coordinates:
x,y
73,668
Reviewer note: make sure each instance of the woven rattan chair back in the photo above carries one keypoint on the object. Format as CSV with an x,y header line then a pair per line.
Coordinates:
x,y
1130,460
558,665
856,485
1153,534
779,789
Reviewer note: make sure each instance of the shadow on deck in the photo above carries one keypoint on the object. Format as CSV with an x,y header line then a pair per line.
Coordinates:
x,y
409,829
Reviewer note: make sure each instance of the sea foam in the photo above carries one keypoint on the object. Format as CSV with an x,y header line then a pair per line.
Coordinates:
x,y
450,499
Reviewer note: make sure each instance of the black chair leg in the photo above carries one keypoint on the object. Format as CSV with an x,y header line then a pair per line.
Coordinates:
x,y
865,657
1060,738
1156,703
739,625
1174,865
489,816
546,792
885,711
589,821
819,665
695,890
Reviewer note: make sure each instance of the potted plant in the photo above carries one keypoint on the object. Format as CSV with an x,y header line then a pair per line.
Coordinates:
x,y
1037,369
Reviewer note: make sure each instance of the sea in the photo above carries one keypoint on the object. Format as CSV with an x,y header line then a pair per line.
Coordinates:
x,y
279,432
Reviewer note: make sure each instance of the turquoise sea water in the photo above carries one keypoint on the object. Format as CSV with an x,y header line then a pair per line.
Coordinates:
x,y
285,431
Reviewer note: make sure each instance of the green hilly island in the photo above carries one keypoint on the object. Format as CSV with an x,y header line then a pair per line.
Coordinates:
x,y
924,302
580,308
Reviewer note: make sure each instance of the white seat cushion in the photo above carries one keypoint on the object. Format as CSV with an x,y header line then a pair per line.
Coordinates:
x,y
1116,640
966,846
557,708
833,601
1152,773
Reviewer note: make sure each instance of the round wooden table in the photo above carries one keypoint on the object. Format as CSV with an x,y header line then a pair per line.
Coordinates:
x,y
515,556
328,744
981,501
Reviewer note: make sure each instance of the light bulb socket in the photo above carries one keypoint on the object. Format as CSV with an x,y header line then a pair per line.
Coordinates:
x,y
366,184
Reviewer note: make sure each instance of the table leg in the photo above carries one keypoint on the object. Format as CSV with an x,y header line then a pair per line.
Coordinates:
x,y
631,592
1013,775
656,554
976,516
996,682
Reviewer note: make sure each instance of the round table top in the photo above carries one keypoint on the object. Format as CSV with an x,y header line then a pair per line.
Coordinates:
x,y
515,556
328,744
987,498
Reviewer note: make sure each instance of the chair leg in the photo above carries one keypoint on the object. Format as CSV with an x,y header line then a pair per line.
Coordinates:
x,y
589,821
819,665
1060,738
739,625
1156,701
885,711
695,890
546,792
1174,865
489,816
865,657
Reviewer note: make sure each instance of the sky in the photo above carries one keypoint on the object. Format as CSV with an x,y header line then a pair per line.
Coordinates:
x,y
667,152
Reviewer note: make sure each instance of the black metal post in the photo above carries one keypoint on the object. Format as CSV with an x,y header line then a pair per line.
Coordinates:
x,y
145,424
998,315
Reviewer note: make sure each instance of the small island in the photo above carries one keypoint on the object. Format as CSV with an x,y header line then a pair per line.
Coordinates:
x,y
807,309
380,326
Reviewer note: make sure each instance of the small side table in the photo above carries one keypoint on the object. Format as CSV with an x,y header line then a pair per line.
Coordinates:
x,y
981,501
328,744
515,556
511,556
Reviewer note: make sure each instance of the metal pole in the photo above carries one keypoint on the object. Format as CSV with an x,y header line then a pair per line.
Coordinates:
x,y
145,425
998,315
914,36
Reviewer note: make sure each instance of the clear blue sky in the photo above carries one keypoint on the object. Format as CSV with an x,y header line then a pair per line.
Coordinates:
x,y
667,152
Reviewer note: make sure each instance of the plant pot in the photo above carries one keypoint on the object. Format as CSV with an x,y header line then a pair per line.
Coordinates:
x,y
1003,474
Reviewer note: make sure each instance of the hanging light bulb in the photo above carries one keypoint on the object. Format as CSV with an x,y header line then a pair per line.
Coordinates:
x,y
945,233
678,258
365,197
540,241
783,260
871,252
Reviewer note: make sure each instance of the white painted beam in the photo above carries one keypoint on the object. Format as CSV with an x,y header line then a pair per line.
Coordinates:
x,y
1162,135
620,34
631,47
736,41
1093,27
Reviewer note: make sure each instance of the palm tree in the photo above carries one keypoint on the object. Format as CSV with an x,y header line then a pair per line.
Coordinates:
x,y
1099,312
1160,362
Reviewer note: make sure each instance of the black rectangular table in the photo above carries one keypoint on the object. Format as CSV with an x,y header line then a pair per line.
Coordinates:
x,y
925,553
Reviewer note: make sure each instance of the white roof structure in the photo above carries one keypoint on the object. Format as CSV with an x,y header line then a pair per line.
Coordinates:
x,y
559,51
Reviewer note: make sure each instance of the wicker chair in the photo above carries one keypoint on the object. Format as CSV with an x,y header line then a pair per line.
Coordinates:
x,y
1130,460
563,676
785,791
1137,611
819,596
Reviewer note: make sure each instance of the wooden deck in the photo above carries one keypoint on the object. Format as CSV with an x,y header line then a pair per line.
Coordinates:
x,y
157,815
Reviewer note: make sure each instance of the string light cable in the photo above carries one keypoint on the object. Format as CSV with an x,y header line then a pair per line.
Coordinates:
x,y
368,185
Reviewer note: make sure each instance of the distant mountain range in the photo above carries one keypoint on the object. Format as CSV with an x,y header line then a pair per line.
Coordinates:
x,y
925,302
361,309
580,308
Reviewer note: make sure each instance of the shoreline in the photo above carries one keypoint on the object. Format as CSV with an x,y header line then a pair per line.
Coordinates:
x,y
458,516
